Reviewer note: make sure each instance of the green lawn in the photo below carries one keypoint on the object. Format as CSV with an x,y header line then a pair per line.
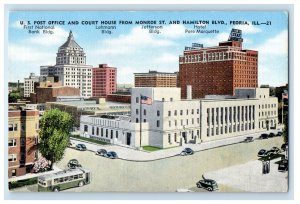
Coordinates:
x,y
89,140
151,149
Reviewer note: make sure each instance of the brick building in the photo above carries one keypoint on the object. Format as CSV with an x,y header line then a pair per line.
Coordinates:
x,y
23,126
155,79
50,94
218,70
104,80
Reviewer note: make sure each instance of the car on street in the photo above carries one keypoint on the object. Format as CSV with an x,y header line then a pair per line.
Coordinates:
x,y
279,133
101,152
271,134
111,155
208,184
264,136
80,147
262,153
187,151
284,146
283,166
248,139
274,150
73,163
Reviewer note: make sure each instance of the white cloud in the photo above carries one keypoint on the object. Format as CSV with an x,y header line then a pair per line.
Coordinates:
x,y
26,54
17,24
173,31
167,58
58,37
136,39
248,29
277,45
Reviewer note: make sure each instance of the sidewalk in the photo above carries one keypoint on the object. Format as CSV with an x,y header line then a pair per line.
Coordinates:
x,y
32,175
130,154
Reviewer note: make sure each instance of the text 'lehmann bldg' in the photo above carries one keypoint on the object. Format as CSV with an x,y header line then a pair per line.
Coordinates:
x,y
171,121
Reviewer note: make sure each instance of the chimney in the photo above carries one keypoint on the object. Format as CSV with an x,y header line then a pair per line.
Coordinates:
x,y
189,92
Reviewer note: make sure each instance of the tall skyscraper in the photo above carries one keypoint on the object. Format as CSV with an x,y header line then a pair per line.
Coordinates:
x,y
71,67
218,70
104,80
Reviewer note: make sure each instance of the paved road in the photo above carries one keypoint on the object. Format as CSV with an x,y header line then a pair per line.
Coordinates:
x,y
169,174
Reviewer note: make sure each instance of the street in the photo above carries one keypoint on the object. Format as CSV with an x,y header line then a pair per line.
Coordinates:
x,y
181,172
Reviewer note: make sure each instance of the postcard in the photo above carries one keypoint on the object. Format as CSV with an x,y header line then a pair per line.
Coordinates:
x,y
148,101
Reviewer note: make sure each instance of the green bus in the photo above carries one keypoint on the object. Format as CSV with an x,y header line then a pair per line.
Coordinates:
x,y
64,179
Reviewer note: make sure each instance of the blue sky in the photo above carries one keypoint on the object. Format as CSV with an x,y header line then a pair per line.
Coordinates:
x,y
132,49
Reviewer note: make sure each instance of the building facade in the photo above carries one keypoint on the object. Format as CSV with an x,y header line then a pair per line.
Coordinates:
x,y
104,80
170,121
23,126
29,84
71,68
155,79
218,70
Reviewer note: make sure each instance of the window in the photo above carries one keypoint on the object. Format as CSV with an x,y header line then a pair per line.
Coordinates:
x,y
192,111
137,99
10,127
101,132
169,123
171,99
137,120
106,132
157,123
176,123
12,157
145,120
175,112
181,112
12,142
169,113
163,99
187,111
145,112
93,130
137,111
169,138
16,127
86,128
117,134
111,134
158,113
14,172
97,130
175,137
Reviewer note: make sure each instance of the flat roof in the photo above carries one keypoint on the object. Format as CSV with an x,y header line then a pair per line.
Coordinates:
x,y
92,103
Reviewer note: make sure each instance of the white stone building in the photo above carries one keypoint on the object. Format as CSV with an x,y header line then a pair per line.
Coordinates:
x,y
71,67
29,84
170,121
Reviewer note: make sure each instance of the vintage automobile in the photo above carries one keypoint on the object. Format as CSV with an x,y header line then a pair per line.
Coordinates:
x,y
111,155
248,139
73,163
187,151
208,184
80,147
101,152
283,165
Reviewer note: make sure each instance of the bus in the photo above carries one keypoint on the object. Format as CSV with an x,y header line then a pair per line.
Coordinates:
x,y
64,179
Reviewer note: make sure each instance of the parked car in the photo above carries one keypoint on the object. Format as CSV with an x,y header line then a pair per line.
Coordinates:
x,y
208,184
111,155
80,147
283,166
262,153
271,134
187,151
279,133
274,150
248,139
284,146
101,152
264,136
73,163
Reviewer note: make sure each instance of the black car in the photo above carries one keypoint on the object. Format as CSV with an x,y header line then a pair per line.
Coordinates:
x,y
248,139
208,184
284,147
264,136
80,147
279,133
283,166
187,151
73,163
274,150
271,134
111,155
262,153
101,152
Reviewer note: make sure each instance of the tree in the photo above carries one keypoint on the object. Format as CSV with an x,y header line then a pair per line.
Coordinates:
x,y
14,96
54,134
286,127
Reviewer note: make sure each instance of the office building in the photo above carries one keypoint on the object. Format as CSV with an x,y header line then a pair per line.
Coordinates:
x,y
29,84
155,79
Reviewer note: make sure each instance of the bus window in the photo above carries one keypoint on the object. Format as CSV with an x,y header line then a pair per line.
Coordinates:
x,y
71,178
75,176
61,180
80,175
66,178
55,181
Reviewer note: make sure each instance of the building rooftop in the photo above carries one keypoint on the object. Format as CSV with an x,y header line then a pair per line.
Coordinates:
x,y
70,42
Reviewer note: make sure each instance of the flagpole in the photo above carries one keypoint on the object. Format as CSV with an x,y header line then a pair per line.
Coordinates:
x,y
140,121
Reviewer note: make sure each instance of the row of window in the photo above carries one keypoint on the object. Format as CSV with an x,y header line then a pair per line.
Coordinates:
x,y
229,129
100,132
230,113
13,142
68,178
273,105
175,136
